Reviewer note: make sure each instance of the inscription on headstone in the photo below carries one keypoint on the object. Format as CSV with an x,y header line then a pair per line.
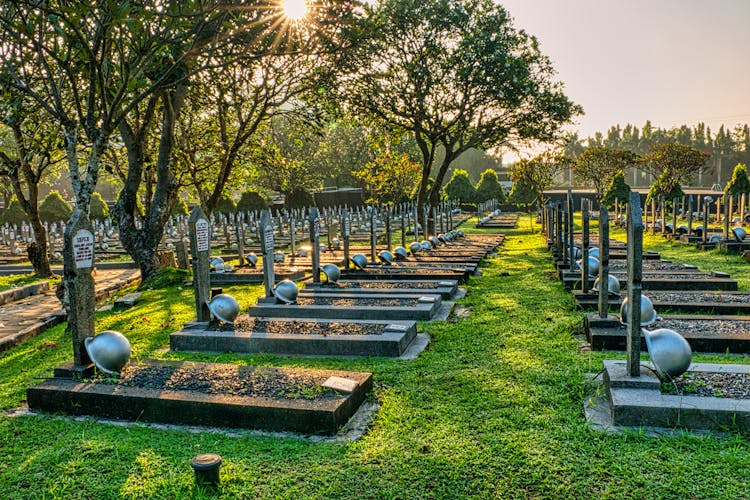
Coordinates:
x,y
83,249
202,235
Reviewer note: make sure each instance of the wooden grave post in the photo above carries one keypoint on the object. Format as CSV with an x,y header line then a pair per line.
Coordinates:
x,y
200,248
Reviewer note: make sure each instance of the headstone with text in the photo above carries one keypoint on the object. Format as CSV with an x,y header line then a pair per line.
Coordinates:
x,y
314,220
199,229
265,228
78,263
346,229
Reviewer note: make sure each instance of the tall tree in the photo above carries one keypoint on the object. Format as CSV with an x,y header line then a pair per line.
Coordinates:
x,y
33,149
537,174
674,161
456,74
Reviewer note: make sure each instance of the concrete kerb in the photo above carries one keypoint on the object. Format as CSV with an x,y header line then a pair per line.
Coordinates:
x,y
19,293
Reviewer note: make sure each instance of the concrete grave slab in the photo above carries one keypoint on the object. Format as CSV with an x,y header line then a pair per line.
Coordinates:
x,y
295,336
323,414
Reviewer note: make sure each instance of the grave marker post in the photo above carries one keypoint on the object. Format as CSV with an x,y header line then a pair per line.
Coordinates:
x,y
690,214
726,216
706,204
314,220
200,248
635,277
558,231
181,250
570,233
585,246
265,227
404,214
416,222
346,229
674,216
603,262
373,236
78,262
240,235
387,216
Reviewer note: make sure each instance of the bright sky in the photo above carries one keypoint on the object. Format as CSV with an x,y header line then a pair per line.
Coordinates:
x,y
627,61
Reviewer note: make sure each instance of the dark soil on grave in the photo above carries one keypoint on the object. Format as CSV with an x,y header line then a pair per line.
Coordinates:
x,y
717,328
380,284
649,266
246,323
712,385
691,276
698,297
226,380
357,302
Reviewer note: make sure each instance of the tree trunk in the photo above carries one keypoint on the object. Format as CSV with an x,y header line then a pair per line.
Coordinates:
x,y
37,250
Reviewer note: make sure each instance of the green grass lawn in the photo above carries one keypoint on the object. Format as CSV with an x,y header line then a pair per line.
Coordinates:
x,y
493,408
19,280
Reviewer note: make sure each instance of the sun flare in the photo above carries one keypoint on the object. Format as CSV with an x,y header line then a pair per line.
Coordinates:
x,y
295,10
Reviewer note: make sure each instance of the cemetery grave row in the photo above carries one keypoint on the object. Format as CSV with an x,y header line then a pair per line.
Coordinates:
x,y
368,311
636,398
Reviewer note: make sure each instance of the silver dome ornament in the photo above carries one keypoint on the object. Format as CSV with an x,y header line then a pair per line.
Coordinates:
x,y
670,353
434,242
331,272
594,252
286,291
613,285
304,251
739,233
415,247
359,260
251,259
460,233
400,253
109,350
443,238
648,313
682,229
715,239
224,308
426,245
386,257
698,230
278,257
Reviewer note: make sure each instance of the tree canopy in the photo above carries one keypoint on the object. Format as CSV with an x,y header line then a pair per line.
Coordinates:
x,y
739,183
618,190
489,187
456,74
597,166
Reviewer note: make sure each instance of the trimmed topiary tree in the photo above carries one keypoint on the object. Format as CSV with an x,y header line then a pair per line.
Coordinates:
x,y
251,201
489,187
618,190
299,198
54,208
13,214
460,187
225,205
99,209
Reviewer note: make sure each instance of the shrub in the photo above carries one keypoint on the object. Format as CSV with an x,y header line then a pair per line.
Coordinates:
x,y
14,214
99,209
225,205
489,187
460,187
299,198
251,201
54,208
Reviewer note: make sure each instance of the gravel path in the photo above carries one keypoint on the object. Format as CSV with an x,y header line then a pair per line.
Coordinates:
x,y
648,265
717,385
231,380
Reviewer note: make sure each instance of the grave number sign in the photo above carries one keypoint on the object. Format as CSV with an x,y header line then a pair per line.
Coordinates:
x,y
202,238
347,226
83,249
